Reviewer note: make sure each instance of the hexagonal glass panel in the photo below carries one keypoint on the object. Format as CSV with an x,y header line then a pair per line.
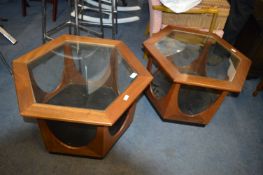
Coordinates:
x,y
94,74
198,54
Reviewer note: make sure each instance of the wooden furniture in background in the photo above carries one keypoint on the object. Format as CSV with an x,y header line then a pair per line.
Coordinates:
x,y
24,5
204,10
198,17
191,79
81,90
202,20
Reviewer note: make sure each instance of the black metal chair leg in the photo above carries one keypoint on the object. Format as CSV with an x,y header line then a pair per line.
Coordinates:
x,y
6,64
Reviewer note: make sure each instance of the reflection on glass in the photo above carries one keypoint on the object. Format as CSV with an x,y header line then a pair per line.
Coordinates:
x,y
198,55
80,75
161,84
55,65
193,100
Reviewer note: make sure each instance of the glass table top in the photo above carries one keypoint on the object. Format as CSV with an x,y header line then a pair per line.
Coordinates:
x,y
198,54
80,75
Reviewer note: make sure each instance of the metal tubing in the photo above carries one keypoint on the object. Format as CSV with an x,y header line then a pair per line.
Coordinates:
x,y
7,35
116,15
69,16
88,30
101,21
59,27
77,26
113,18
44,15
76,17
6,64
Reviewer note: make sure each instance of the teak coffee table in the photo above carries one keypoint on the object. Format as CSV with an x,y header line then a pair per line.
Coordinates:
x,y
193,71
81,90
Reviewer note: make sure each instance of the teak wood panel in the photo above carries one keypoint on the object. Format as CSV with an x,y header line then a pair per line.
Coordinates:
x,y
98,147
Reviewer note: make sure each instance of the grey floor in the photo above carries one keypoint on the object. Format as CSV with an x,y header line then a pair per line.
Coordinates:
x,y
231,144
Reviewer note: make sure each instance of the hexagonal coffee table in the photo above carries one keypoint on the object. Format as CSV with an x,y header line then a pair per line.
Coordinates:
x,y
193,72
81,90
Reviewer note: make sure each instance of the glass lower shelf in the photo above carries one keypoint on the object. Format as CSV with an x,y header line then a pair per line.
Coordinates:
x,y
78,96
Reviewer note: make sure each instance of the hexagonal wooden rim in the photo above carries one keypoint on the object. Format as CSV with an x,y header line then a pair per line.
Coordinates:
x,y
234,86
30,108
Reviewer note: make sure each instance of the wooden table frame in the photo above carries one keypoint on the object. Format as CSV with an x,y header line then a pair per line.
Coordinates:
x,y
211,10
167,106
102,119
